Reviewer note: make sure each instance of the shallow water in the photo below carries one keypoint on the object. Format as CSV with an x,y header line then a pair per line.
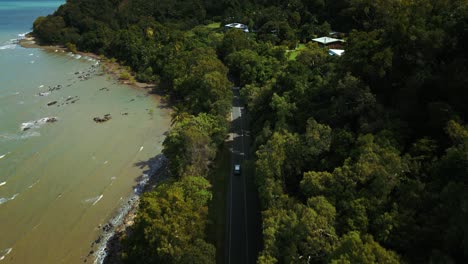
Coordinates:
x,y
60,180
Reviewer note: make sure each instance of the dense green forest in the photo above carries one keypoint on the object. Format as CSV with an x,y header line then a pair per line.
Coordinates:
x,y
359,159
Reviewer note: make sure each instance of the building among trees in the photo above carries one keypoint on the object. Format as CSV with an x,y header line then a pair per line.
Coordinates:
x,y
244,28
328,42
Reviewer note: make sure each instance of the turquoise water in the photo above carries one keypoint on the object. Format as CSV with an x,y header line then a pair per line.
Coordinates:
x,y
59,181
31,5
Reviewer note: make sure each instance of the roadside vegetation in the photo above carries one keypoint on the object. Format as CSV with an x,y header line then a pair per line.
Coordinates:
x,y
361,158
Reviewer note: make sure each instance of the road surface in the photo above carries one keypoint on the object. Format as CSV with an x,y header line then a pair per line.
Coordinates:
x,y
243,233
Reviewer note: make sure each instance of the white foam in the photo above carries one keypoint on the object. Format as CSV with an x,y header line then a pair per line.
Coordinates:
x,y
5,252
32,185
32,62
35,124
105,162
27,125
31,54
98,199
78,57
94,200
8,47
4,155
4,200
141,148
2,183
29,134
22,35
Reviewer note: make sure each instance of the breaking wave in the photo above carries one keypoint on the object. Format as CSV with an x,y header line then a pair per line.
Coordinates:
x,y
37,123
94,200
4,200
4,253
8,46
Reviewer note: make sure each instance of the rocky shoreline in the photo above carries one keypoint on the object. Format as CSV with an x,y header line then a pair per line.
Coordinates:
x,y
109,66
107,247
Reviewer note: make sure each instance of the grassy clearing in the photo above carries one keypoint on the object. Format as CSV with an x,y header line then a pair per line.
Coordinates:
x,y
211,27
214,25
217,209
293,54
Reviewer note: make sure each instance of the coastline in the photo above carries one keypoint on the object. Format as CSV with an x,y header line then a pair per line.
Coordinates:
x,y
110,67
107,246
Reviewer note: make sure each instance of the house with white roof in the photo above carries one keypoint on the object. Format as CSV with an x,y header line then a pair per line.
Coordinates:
x,y
243,27
329,42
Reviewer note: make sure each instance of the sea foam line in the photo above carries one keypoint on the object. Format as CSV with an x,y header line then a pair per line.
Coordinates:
x,y
98,199
32,185
94,200
4,200
2,183
7,251
8,46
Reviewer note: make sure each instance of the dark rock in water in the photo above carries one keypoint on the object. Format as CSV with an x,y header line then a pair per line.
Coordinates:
x,y
124,113
107,227
77,73
98,120
51,120
51,103
106,117
26,128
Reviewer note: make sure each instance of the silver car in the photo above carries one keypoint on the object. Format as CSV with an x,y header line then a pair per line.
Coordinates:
x,y
237,169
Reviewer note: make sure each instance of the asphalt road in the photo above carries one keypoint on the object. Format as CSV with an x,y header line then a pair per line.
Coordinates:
x,y
243,233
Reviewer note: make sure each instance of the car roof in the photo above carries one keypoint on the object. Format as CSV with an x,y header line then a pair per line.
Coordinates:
x,y
237,166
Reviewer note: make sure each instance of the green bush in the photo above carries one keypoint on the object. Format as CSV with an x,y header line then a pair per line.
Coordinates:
x,y
71,47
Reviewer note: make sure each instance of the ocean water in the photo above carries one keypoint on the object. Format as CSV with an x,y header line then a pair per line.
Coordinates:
x,y
61,181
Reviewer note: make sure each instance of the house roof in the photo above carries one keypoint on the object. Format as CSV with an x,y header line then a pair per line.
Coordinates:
x,y
337,52
245,28
327,40
236,25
